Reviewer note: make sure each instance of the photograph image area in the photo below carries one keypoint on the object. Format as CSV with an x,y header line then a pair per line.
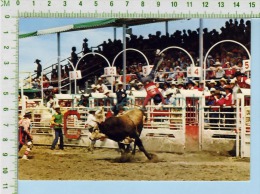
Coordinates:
x,y
134,99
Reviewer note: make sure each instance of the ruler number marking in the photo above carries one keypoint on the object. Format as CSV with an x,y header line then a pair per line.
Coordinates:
x,y
236,4
5,170
127,2
5,109
111,3
189,3
5,154
205,4
5,186
49,3
64,3
158,3
17,2
174,3
33,2
252,4
142,3
80,3
95,3
221,4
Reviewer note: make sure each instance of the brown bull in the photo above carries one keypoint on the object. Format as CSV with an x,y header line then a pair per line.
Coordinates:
x,y
129,125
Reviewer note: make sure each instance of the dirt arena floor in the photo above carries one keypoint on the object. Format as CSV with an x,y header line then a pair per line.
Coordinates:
x,y
104,164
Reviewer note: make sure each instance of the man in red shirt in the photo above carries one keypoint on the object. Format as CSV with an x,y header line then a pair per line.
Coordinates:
x,y
149,85
228,108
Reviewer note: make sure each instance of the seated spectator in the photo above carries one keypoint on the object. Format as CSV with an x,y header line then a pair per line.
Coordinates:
x,y
180,85
179,76
54,80
93,89
242,80
169,100
229,71
140,86
45,81
223,84
99,89
219,72
201,86
212,84
192,85
171,75
211,73
173,88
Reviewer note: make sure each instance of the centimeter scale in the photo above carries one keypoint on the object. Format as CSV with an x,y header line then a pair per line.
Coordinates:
x,y
12,10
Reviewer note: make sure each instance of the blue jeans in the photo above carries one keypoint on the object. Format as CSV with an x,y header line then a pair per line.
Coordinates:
x,y
58,134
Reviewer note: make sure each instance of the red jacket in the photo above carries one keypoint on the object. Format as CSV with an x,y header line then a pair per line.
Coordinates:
x,y
228,100
151,89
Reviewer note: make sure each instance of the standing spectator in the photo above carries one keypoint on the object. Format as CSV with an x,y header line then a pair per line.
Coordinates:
x,y
121,97
56,121
24,134
101,83
215,115
50,103
74,56
228,107
85,48
39,68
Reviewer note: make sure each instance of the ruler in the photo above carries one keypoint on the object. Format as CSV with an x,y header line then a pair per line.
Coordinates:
x,y
12,10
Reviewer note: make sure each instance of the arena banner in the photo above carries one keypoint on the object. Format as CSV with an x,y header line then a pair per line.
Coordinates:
x,y
51,36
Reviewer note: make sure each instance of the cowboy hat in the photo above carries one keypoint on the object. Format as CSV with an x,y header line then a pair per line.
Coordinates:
x,y
217,63
168,92
173,82
232,81
56,107
98,86
212,81
93,86
37,61
223,79
119,82
107,91
212,90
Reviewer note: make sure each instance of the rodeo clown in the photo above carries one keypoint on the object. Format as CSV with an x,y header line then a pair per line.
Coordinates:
x,y
24,136
149,85
91,125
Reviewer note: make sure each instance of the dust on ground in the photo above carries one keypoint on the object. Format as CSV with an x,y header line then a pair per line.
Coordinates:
x,y
77,163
